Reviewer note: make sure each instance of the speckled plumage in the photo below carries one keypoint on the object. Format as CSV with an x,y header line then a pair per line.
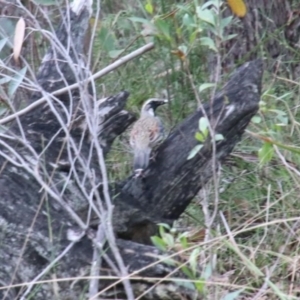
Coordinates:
x,y
146,133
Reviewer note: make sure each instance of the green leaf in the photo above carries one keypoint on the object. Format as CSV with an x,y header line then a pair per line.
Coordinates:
x,y
205,86
149,8
256,119
225,21
115,53
16,81
164,225
206,41
232,295
206,15
167,260
107,39
188,21
187,272
219,137
193,260
207,271
203,124
169,239
164,28
187,284
283,121
194,151
159,243
139,20
193,36
183,241
265,154
199,136
278,112
200,285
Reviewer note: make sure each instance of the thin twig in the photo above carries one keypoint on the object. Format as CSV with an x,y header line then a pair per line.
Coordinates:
x,y
96,263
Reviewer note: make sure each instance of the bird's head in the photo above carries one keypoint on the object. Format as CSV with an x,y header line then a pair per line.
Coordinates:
x,y
150,106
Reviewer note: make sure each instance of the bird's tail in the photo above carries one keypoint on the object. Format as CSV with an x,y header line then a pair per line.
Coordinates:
x,y
141,159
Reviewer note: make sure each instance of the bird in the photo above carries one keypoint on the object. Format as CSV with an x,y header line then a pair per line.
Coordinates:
x,y
146,133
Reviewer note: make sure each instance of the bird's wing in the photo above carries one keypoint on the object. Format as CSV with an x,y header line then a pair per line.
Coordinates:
x,y
155,131
146,132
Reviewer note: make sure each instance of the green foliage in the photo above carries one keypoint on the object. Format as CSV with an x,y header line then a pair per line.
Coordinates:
x,y
201,136
265,153
169,239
